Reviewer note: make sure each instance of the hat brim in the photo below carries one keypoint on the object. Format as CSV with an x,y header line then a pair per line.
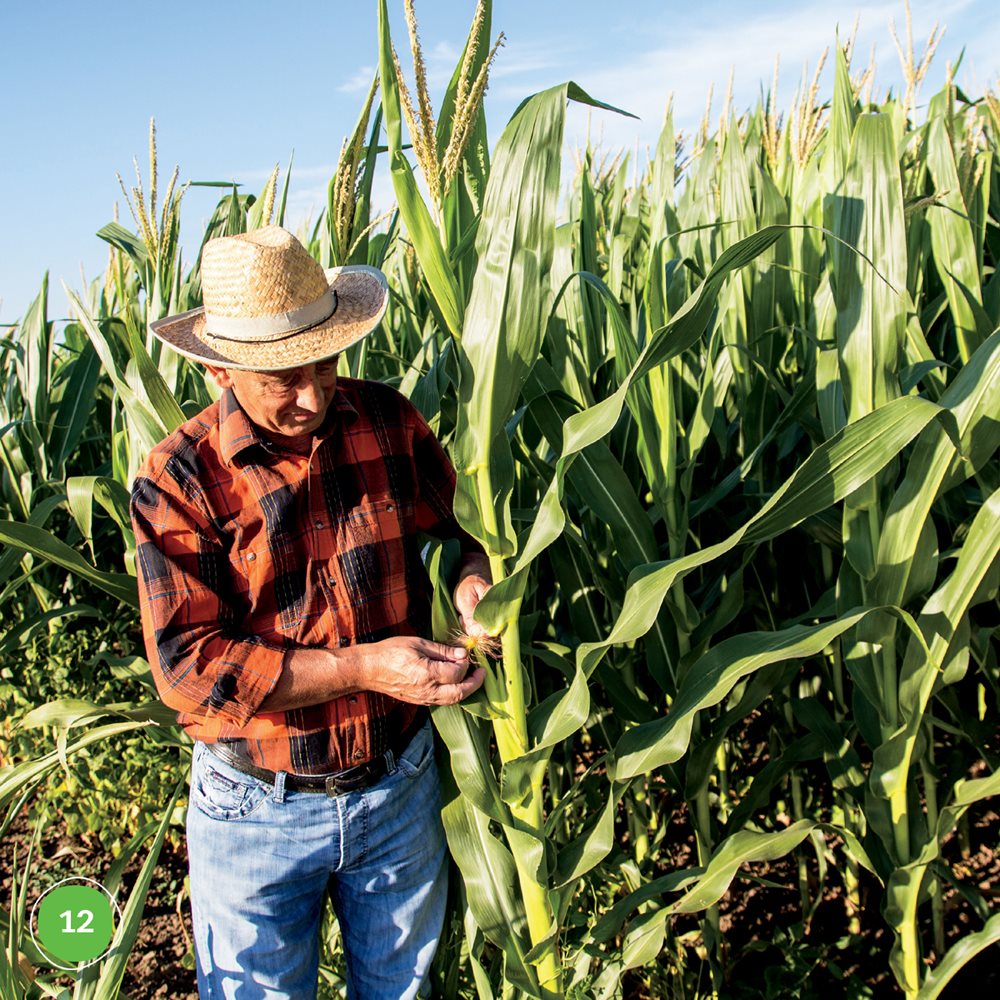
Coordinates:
x,y
362,297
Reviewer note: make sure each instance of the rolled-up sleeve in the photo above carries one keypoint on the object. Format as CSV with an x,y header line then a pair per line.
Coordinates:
x,y
201,664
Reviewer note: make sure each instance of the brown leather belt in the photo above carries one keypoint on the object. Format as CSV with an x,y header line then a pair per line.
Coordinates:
x,y
351,779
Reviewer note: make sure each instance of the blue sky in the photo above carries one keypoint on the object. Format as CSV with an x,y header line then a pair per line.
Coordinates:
x,y
235,87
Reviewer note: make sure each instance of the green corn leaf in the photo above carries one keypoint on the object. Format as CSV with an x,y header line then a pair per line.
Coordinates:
x,y
959,955
843,116
702,760
142,419
503,323
869,297
468,744
842,760
952,241
611,923
833,471
75,407
18,634
68,713
593,845
15,778
34,363
663,741
923,661
113,967
129,244
40,542
747,846
419,224
164,403
596,475
944,455
490,878
644,939
81,494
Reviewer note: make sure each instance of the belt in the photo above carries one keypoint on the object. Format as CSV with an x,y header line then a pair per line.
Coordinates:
x,y
351,779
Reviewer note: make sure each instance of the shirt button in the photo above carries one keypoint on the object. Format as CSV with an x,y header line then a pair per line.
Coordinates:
x,y
319,524
333,582
359,754
251,556
389,507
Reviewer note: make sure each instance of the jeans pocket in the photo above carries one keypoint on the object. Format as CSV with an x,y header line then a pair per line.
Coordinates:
x,y
419,755
221,792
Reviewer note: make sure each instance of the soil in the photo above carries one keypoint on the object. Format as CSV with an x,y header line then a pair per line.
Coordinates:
x,y
161,962
771,951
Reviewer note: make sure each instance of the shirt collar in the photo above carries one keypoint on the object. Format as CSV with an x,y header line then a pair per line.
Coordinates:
x,y
237,432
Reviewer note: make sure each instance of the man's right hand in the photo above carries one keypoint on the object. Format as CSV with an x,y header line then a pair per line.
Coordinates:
x,y
415,670
406,667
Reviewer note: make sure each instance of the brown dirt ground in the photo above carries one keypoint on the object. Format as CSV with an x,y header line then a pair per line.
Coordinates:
x,y
762,904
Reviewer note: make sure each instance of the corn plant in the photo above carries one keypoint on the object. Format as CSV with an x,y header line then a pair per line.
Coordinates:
x,y
857,283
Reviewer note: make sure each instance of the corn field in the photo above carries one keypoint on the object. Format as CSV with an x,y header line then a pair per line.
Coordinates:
x,y
727,423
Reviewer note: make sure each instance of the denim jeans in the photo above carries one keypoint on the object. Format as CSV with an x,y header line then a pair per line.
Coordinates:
x,y
261,858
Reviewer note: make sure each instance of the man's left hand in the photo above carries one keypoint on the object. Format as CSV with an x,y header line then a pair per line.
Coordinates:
x,y
473,582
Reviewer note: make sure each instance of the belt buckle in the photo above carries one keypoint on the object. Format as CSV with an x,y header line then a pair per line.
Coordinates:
x,y
331,787
348,781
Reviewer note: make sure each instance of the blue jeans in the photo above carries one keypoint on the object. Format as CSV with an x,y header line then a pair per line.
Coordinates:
x,y
261,858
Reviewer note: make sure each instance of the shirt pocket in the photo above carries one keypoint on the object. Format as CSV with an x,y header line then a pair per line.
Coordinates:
x,y
252,565
271,577
371,547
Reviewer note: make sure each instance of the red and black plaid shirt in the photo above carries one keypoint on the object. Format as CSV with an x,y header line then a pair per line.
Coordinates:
x,y
245,549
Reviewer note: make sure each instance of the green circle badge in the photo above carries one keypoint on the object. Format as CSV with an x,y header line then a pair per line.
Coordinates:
x,y
75,920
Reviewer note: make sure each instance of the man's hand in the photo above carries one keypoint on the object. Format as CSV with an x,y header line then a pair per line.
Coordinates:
x,y
417,670
473,582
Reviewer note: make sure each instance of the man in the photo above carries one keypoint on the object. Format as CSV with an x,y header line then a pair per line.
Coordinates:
x,y
285,609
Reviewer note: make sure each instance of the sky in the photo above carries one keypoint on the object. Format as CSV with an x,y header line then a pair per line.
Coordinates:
x,y
237,88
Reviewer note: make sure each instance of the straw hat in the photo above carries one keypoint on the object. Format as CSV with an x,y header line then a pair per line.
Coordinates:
x,y
269,305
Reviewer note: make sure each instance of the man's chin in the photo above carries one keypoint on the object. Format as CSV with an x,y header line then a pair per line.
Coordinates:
x,y
296,428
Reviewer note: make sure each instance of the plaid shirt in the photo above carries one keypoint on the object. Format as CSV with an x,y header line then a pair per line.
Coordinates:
x,y
245,550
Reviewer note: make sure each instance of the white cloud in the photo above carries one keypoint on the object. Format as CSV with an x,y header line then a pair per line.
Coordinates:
x,y
359,82
443,54
688,62
518,58
322,171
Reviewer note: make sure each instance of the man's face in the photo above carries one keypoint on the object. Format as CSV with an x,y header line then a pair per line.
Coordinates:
x,y
289,403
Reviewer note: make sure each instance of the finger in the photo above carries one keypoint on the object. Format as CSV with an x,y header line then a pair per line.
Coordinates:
x,y
452,694
469,593
440,651
446,673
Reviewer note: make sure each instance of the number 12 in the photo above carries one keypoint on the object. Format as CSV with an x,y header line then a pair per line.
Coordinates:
x,y
87,918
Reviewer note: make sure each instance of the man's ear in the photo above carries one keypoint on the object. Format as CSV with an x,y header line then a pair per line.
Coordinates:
x,y
222,377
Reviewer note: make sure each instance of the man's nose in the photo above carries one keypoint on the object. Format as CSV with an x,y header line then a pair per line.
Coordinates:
x,y
309,394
